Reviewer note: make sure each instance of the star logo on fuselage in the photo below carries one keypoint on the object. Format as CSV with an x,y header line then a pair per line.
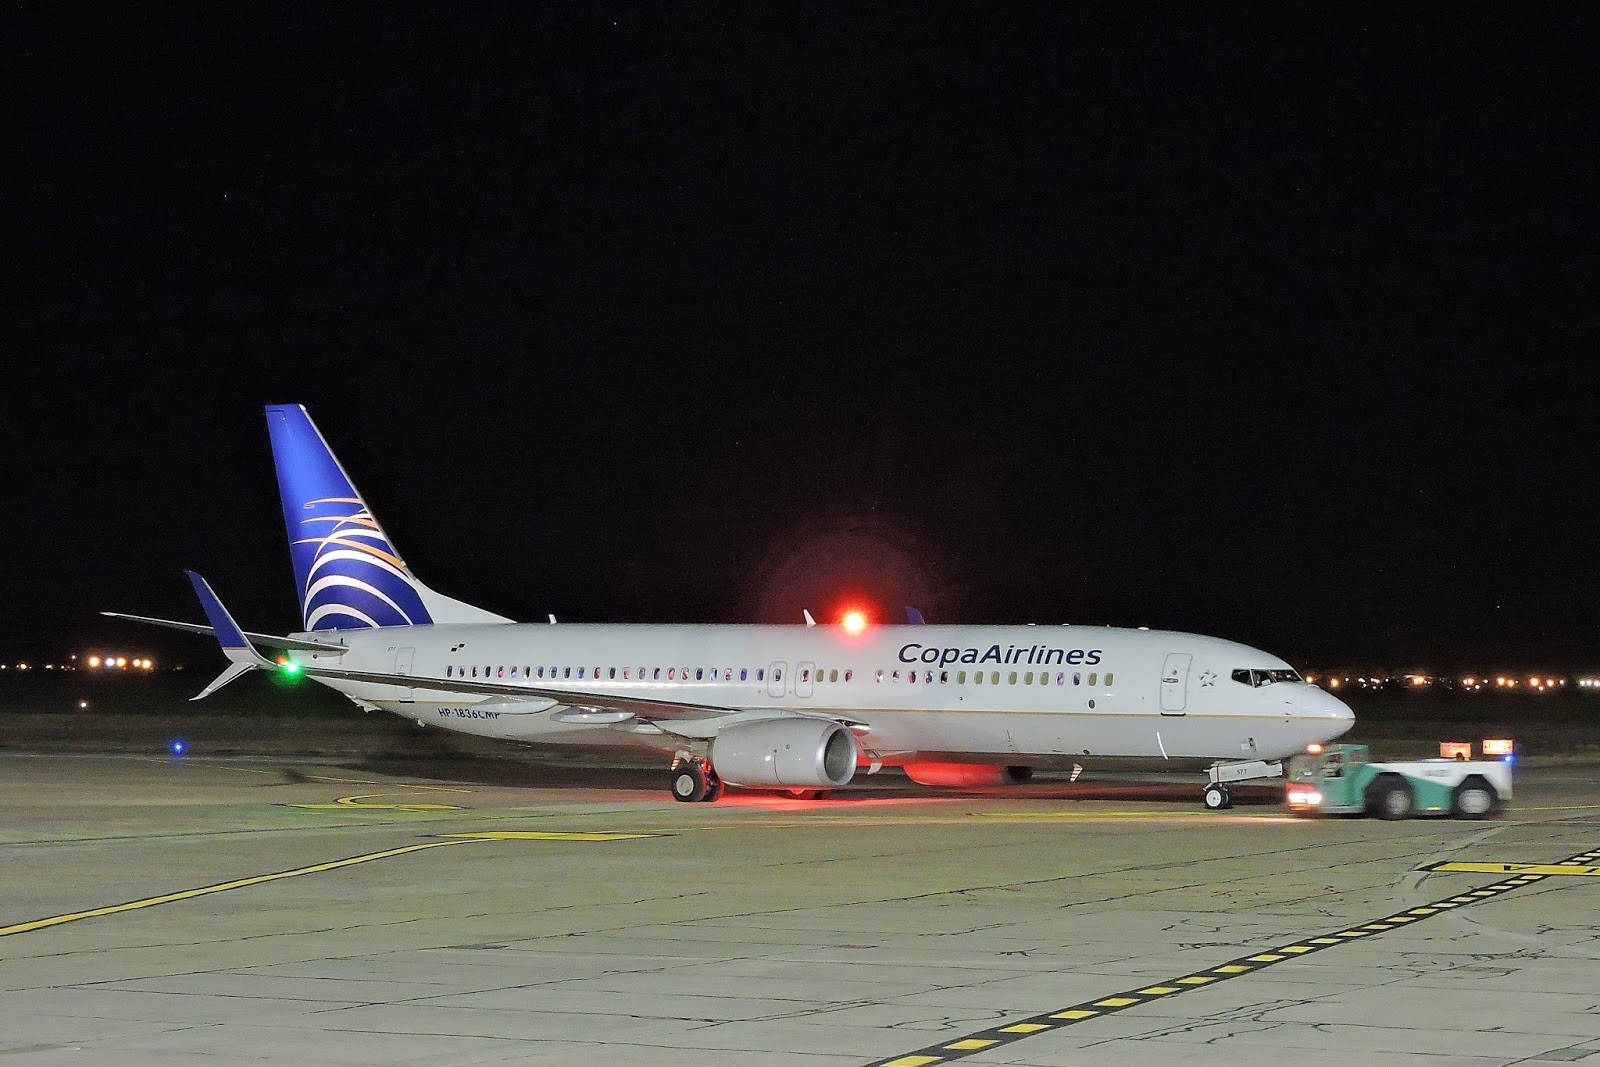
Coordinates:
x,y
1208,678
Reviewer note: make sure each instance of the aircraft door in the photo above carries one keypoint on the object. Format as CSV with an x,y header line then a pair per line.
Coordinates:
x,y
1175,683
403,664
775,678
804,672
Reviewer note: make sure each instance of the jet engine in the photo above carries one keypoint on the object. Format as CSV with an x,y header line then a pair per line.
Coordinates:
x,y
966,775
791,752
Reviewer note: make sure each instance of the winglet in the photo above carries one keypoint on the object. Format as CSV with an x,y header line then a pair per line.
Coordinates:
x,y
241,653
807,613
913,616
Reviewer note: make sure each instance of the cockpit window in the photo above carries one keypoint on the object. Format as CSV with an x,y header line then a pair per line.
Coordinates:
x,y
1258,678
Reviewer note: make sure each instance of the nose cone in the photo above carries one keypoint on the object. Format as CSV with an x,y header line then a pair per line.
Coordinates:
x,y
1320,704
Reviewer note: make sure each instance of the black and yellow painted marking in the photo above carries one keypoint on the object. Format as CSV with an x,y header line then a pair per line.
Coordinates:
x,y
318,868
1544,870
994,1037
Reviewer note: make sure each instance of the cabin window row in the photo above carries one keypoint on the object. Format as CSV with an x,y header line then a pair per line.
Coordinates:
x,y
1095,678
628,674
818,675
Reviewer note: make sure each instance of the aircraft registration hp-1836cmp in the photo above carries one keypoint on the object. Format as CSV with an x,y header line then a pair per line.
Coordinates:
x,y
797,708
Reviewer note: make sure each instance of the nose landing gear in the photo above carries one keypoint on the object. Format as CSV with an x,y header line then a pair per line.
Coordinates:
x,y
1219,775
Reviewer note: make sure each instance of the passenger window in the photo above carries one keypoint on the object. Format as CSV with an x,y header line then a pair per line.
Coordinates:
x,y
1044,678
727,674
805,675
961,677
896,676
655,676
777,674
944,677
994,677
580,672
833,675
1061,677
1012,678
744,674
474,670
566,672
1108,677
977,677
848,674
613,673
1027,679
880,676
624,673
699,674
761,673
502,673
911,676
1077,679
1093,678
672,672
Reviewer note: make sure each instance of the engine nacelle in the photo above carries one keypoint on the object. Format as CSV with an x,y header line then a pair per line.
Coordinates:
x,y
813,753
965,775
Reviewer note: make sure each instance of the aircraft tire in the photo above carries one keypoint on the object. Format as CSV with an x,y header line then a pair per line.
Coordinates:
x,y
689,784
1218,798
713,788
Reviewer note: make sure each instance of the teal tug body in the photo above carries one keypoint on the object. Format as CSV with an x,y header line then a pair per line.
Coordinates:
x,y
1343,780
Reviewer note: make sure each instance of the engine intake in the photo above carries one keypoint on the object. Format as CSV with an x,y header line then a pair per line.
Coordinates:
x,y
785,752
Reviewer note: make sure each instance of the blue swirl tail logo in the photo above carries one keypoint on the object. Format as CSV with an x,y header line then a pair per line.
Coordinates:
x,y
347,572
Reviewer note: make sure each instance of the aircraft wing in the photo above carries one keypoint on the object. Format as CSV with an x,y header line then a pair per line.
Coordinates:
x,y
269,640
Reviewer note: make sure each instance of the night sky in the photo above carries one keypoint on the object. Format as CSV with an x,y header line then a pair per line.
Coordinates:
x,y
1277,327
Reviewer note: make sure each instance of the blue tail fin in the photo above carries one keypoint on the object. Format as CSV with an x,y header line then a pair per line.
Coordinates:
x,y
346,570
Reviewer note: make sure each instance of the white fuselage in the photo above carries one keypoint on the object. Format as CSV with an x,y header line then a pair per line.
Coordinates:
x,y
1002,694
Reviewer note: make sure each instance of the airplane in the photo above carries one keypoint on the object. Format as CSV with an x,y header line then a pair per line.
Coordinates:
x,y
797,708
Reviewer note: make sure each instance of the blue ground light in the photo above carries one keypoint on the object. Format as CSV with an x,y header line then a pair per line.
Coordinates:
x,y
177,748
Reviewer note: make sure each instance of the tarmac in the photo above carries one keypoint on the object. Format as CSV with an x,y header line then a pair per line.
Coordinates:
x,y
400,907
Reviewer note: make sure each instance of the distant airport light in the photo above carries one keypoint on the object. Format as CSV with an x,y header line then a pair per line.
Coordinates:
x,y
854,622
1497,746
122,661
1333,683
178,748
82,704
1455,749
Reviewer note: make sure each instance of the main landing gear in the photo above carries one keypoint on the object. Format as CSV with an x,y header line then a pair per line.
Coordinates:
x,y
694,780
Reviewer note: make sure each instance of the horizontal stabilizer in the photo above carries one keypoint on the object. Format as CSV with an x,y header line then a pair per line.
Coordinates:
x,y
269,640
